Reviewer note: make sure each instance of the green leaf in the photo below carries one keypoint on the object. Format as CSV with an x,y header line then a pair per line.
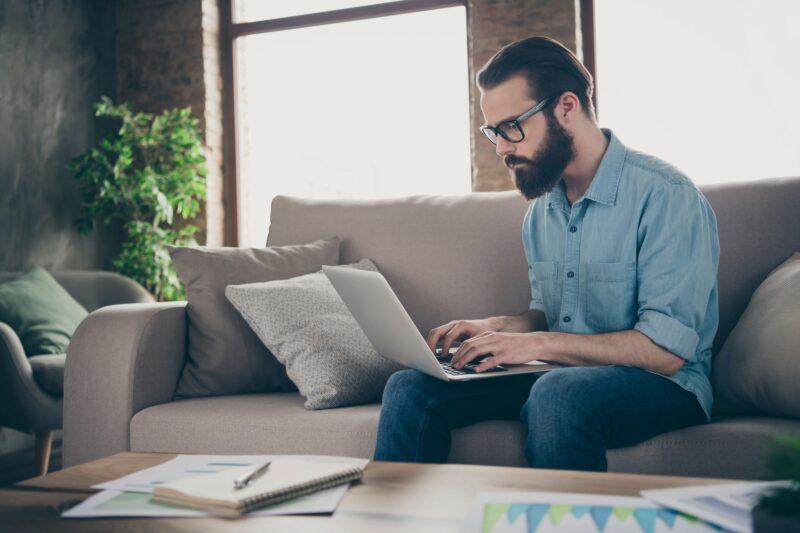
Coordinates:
x,y
148,176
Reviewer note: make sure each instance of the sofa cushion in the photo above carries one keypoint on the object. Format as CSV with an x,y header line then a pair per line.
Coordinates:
x,y
40,311
48,371
728,447
446,257
758,368
309,329
461,256
731,447
224,355
255,423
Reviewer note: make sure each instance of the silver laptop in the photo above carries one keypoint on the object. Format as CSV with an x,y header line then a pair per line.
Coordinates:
x,y
389,328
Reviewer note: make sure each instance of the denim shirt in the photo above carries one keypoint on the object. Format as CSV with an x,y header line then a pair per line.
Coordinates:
x,y
638,251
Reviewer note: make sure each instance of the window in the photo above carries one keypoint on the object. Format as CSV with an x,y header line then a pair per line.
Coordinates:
x,y
708,86
367,108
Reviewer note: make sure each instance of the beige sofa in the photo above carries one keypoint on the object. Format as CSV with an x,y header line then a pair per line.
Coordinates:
x,y
447,257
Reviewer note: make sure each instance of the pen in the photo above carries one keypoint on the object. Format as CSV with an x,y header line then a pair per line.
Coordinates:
x,y
248,477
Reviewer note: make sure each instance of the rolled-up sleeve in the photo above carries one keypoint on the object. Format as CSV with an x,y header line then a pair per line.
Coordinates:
x,y
676,267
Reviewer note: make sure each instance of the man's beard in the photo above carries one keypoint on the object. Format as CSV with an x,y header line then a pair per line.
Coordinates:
x,y
539,175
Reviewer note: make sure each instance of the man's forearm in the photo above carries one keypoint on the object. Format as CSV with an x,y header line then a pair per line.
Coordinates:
x,y
630,347
530,320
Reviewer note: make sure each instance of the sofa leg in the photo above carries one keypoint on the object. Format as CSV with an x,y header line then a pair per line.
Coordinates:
x,y
44,443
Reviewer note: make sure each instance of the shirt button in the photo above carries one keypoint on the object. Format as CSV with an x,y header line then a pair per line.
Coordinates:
x,y
573,229
570,274
567,319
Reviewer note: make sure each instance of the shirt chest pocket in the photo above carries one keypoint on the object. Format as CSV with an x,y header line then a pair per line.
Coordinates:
x,y
610,299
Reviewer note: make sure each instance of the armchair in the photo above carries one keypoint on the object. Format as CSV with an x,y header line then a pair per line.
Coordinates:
x,y
32,386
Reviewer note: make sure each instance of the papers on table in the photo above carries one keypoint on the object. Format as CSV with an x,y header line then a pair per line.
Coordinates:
x,y
539,512
131,495
685,509
729,505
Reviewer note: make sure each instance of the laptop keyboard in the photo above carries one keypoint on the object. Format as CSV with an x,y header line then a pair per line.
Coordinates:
x,y
469,368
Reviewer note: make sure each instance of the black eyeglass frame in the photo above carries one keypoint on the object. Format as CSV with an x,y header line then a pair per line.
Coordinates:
x,y
516,122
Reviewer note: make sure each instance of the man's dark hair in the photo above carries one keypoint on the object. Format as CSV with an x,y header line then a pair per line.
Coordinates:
x,y
549,66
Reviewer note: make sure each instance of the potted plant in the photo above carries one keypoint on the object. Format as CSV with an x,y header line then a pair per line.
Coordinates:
x,y
778,509
148,176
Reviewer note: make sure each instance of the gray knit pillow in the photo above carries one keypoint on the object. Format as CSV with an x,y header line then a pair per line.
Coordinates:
x,y
308,328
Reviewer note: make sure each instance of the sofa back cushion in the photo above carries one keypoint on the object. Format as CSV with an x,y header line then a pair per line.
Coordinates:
x,y
759,227
453,257
446,257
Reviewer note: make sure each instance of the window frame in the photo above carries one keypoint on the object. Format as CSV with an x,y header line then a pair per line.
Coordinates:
x,y
587,44
230,31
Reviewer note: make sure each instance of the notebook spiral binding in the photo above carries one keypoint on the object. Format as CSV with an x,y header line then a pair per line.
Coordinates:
x,y
300,489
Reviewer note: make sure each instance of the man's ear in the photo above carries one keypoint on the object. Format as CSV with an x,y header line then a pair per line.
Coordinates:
x,y
567,108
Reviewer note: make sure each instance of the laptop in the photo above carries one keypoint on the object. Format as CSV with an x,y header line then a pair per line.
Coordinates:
x,y
389,328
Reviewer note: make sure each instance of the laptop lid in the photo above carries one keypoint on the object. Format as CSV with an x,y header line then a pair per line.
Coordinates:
x,y
382,317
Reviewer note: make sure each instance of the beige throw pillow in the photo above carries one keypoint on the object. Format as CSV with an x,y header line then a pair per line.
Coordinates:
x,y
758,368
224,356
308,327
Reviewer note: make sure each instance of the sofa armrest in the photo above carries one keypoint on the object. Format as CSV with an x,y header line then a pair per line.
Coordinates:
x,y
122,359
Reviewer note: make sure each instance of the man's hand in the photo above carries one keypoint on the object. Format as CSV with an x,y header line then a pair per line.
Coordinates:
x,y
458,330
508,348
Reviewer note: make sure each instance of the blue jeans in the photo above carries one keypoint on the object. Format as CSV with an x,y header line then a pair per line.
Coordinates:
x,y
572,414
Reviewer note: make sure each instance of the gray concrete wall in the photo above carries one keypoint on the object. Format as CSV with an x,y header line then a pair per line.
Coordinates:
x,y
57,57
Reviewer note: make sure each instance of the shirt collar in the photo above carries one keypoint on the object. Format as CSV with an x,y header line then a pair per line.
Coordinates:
x,y
604,185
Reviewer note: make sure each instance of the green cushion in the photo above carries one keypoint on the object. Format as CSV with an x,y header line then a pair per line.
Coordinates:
x,y
40,311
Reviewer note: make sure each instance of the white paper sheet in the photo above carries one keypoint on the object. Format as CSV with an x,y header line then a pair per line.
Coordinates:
x,y
131,495
729,505
545,512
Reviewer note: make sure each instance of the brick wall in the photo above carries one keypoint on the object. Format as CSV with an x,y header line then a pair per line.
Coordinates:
x,y
492,24
168,56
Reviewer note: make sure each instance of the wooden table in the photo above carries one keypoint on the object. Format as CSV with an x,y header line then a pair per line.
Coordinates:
x,y
392,497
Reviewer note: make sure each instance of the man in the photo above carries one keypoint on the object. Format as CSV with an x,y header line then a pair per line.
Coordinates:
x,y
622,252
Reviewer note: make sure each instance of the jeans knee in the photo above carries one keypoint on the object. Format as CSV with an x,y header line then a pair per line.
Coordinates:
x,y
560,394
406,389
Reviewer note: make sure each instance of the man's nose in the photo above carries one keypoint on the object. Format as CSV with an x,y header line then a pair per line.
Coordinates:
x,y
503,147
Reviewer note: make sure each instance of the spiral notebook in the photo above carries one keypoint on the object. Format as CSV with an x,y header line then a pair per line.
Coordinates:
x,y
286,479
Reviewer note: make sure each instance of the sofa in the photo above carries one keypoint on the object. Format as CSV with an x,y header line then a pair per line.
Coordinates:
x,y
446,257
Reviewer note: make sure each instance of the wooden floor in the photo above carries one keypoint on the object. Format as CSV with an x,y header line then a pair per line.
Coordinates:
x,y
19,465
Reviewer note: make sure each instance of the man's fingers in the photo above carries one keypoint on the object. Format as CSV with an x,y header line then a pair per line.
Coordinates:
x,y
486,364
466,344
460,330
433,338
436,333
471,349
450,337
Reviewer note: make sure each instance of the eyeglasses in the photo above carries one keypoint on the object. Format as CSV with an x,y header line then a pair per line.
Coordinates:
x,y
510,130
